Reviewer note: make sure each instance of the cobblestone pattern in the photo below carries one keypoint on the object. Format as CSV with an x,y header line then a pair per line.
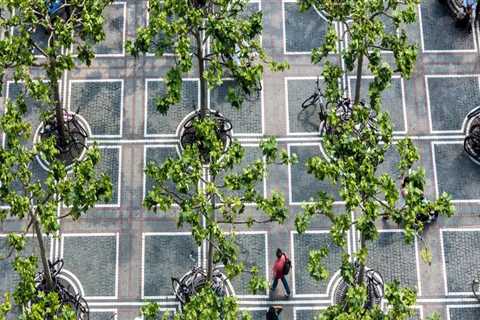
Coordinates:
x,y
157,155
252,254
303,31
304,186
102,315
115,22
392,101
109,165
471,313
8,277
451,158
461,260
166,257
434,16
100,103
394,259
247,119
303,244
451,99
167,124
307,120
93,260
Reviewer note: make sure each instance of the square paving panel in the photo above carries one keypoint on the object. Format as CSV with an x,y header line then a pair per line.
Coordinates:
x,y
461,259
166,256
302,245
302,120
393,100
110,165
464,313
306,314
93,259
450,99
158,155
166,125
304,186
439,30
455,172
8,276
114,28
100,102
34,108
394,259
252,154
248,119
252,253
303,31
103,315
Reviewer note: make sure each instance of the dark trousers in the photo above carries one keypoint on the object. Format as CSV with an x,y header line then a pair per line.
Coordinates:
x,y
285,284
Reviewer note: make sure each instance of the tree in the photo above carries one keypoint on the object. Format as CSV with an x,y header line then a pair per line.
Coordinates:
x,y
41,35
356,136
205,305
35,202
186,28
36,50
209,205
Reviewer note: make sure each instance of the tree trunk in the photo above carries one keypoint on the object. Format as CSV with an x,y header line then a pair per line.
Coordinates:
x,y
358,82
60,119
43,254
201,71
210,241
361,274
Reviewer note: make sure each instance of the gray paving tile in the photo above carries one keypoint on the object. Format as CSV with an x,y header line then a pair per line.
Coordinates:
x,y
392,101
304,314
166,257
102,315
93,260
245,120
468,313
158,156
303,244
439,30
461,261
394,259
303,31
109,164
302,120
113,27
463,184
304,185
158,124
451,99
100,103
8,277
252,254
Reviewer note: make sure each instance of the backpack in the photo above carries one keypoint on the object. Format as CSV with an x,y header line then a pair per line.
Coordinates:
x,y
287,266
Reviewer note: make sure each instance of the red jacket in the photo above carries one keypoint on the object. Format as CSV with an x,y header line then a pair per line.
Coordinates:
x,y
278,267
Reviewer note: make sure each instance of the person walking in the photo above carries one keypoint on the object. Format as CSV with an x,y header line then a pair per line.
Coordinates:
x,y
281,267
273,313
